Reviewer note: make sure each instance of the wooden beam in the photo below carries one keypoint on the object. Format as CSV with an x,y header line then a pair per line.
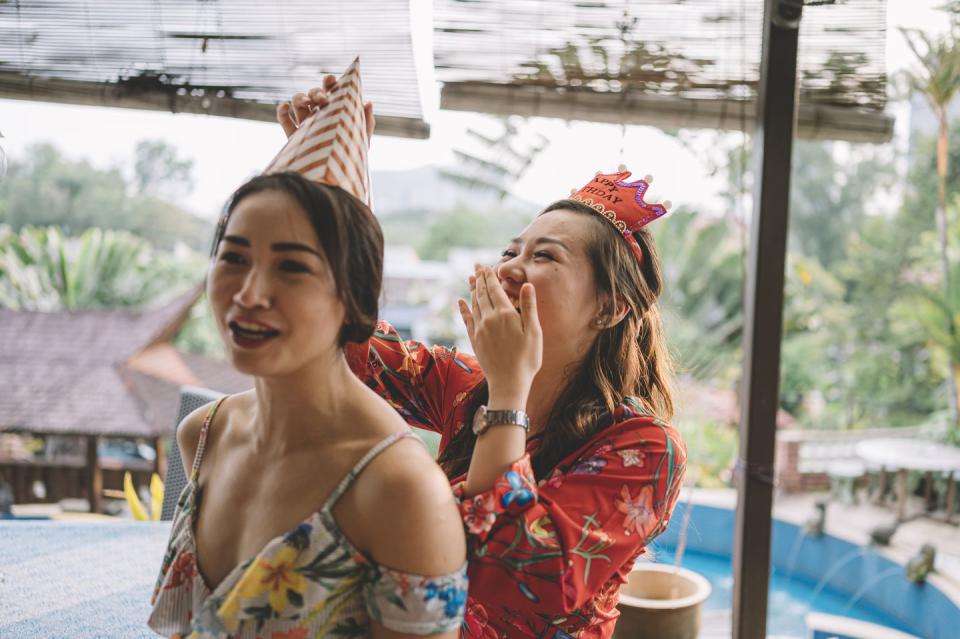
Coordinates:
x,y
815,122
17,86
763,317
94,476
160,466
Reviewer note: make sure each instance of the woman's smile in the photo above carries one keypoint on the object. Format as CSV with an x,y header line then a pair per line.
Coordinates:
x,y
251,334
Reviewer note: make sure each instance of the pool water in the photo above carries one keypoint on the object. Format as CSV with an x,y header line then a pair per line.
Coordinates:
x,y
790,599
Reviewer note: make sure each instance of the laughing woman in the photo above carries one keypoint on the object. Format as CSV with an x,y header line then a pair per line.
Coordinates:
x,y
554,435
312,510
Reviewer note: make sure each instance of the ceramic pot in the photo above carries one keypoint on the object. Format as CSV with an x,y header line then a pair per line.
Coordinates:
x,y
661,602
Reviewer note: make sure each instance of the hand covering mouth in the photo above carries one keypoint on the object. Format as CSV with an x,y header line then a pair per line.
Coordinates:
x,y
514,300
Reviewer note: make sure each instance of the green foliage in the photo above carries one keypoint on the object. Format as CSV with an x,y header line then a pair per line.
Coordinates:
x,y
199,333
703,276
433,234
459,228
45,188
712,452
937,78
814,335
920,199
41,269
932,310
855,350
159,171
463,227
403,228
851,339
937,74
830,199
865,342
895,378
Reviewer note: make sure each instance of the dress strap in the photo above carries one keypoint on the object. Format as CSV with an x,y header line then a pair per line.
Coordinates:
x,y
202,443
382,445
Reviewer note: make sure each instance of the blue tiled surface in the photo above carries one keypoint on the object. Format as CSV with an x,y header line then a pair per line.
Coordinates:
x,y
921,610
122,616
78,580
29,539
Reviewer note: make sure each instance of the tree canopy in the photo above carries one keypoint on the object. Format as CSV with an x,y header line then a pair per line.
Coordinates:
x,y
46,188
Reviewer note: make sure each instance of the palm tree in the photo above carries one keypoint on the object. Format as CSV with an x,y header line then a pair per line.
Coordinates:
x,y
937,312
703,289
938,79
42,270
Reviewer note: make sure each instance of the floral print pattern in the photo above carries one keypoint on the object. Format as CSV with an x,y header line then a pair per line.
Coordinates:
x,y
631,457
547,558
478,513
637,512
308,583
183,569
518,490
590,466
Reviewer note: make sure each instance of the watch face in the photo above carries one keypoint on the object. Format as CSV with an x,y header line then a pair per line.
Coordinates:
x,y
480,419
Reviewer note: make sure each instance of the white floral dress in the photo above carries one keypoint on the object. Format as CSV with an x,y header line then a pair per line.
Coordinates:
x,y
310,582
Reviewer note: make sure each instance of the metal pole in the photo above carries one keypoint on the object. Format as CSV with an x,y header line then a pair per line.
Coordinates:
x,y
763,320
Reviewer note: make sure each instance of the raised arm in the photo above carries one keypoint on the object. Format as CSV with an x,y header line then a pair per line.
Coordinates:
x,y
558,544
510,345
425,384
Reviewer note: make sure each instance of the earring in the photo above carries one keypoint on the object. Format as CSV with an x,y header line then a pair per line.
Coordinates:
x,y
599,323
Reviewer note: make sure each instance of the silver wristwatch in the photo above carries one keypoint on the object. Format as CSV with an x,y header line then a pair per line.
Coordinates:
x,y
484,419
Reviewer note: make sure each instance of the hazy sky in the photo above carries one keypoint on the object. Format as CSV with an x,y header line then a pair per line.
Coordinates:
x,y
226,151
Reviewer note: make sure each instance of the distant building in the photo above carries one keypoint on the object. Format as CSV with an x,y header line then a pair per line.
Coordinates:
x,y
85,382
420,296
96,385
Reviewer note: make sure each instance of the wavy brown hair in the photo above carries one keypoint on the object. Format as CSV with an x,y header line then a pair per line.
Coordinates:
x,y
350,239
627,359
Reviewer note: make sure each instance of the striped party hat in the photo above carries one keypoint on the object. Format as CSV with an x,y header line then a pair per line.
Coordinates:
x,y
331,145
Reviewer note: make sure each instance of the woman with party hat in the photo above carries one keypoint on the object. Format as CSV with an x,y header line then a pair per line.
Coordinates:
x,y
554,434
312,510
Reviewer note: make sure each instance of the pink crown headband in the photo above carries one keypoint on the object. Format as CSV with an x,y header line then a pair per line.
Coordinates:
x,y
621,203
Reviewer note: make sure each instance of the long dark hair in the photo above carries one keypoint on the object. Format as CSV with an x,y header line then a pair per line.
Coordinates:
x,y
628,359
350,238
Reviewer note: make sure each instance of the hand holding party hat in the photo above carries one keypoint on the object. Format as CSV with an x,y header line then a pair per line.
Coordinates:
x,y
331,146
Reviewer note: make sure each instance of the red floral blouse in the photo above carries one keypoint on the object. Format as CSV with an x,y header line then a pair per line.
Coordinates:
x,y
547,558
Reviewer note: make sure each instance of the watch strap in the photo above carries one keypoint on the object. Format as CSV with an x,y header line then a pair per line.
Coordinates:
x,y
506,417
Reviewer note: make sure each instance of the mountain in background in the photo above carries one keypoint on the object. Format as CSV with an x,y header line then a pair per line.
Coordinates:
x,y
422,209
426,190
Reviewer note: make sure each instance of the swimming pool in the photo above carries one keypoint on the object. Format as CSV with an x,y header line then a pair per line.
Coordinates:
x,y
790,599
862,584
